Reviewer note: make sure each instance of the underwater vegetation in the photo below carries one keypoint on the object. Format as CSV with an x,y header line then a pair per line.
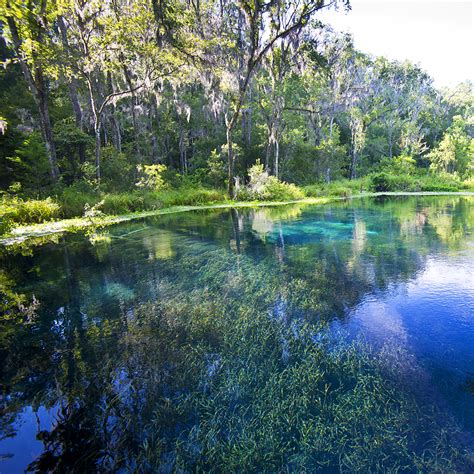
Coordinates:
x,y
200,344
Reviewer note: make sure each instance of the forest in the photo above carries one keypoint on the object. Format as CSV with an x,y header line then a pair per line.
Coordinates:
x,y
117,106
289,283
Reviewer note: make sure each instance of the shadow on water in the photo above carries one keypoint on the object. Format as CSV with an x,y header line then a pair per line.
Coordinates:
x,y
311,337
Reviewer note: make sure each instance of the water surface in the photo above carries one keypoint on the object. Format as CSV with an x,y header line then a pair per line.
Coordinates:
x,y
81,366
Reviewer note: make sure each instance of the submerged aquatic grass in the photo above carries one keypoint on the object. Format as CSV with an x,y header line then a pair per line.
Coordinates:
x,y
260,390
270,397
211,343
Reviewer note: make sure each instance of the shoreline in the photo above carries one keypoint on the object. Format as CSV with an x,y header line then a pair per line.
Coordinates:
x,y
25,232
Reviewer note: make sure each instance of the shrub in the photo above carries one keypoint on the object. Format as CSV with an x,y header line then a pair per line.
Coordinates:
x,y
17,211
442,183
116,169
340,191
29,165
36,211
276,190
441,187
402,164
216,169
151,177
340,188
264,187
123,203
74,198
136,201
191,196
468,184
385,182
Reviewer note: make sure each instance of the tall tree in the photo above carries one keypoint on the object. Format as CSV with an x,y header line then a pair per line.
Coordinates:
x,y
260,26
28,28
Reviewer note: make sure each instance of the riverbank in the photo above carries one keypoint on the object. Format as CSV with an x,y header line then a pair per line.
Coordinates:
x,y
24,232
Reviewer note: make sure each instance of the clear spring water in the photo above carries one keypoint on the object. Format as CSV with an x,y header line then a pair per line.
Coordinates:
x,y
397,273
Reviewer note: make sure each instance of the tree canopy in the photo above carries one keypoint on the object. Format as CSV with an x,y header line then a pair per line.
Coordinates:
x,y
93,89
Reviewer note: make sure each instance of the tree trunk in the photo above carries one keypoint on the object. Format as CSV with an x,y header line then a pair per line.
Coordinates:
x,y
230,162
97,150
46,128
117,135
182,149
136,130
354,160
277,157
36,83
268,151
72,83
76,106
390,143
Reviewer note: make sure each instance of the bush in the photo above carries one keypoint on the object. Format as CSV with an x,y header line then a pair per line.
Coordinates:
x,y
191,196
398,165
123,203
441,187
340,188
442,183
151,177
340,191
385,182
216,173
116,169
16,211
74,198
264,187
137,201
468,184
276,190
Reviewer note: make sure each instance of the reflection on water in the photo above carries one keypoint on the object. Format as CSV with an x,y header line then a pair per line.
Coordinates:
x,y
85,371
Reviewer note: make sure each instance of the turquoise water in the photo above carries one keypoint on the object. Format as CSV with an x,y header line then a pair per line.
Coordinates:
x,y
149,343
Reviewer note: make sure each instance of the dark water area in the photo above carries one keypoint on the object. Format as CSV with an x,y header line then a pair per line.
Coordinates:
x,y
118,349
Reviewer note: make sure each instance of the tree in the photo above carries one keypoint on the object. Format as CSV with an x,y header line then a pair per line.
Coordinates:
x,y
28,30
260,27
455,152
113,49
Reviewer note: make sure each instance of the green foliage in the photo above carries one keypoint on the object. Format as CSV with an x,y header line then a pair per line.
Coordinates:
x,y
341,188
468,184
16,211
116,170
403,164
384,181
455,152
30,163
216,169
276,190
439,183
74,198
191,196
264,187
133,201
151,177
69,141
388,181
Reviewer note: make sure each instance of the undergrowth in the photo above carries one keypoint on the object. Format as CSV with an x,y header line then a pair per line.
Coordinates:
x,y
71,201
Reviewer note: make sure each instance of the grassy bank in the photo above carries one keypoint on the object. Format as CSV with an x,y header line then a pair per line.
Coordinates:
x,y
74,209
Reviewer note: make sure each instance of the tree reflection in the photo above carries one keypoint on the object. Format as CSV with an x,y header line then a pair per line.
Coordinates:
x,y
124,334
